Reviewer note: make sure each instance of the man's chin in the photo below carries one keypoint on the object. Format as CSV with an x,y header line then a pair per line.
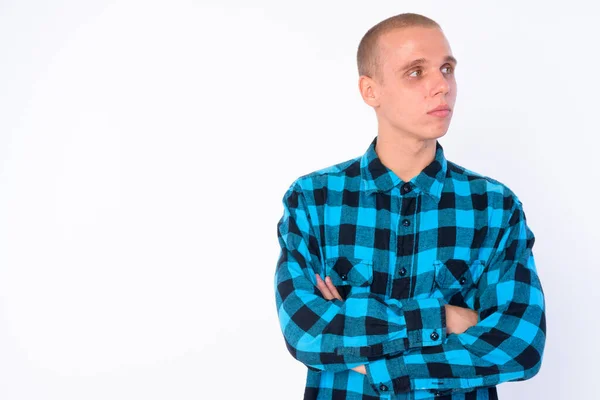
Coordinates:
x,y
432,134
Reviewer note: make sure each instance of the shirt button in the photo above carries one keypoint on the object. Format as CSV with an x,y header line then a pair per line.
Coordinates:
x,y
435,336
406,188
403,271
343,276
383,388
406,222
463,280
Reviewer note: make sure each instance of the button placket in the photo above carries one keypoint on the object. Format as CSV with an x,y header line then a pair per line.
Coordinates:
x,y
407,204
402,285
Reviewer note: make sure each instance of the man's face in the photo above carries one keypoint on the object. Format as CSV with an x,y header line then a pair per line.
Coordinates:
x,y
405,94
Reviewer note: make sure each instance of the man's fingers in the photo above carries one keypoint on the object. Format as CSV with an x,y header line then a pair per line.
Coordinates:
x,y
323,288
327,288
332,288
361,368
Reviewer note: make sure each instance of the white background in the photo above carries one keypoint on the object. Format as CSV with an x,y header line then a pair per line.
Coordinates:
x,y
145,148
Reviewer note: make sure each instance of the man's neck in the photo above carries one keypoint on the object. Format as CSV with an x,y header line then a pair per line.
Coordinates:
x,y
406,156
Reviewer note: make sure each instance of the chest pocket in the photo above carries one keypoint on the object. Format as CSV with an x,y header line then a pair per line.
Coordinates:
x,y
347,274
456,279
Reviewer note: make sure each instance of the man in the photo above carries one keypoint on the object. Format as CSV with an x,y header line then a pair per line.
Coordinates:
x,y
403,275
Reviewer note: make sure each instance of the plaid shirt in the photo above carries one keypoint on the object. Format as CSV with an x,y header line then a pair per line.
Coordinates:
x,y
398,252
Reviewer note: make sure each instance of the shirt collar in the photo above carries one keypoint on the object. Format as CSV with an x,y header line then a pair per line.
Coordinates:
x,y
377,177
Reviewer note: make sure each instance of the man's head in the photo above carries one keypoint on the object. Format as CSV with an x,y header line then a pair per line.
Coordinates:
x,y
406,69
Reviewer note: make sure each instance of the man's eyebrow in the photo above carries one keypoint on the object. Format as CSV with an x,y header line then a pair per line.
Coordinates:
x,y
419,61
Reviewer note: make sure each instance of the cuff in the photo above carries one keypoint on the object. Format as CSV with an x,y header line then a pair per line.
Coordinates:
x,y
388,375
425,322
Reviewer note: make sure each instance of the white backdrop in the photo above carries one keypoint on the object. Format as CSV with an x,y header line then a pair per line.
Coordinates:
x,y
145,148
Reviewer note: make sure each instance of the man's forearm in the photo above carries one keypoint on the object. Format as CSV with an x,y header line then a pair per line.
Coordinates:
x,y
458,319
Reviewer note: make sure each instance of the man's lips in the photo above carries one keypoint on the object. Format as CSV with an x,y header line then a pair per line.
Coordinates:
x,y
440,111
441,107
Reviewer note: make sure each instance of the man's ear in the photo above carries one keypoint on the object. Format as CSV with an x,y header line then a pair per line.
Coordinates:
x,y
368,90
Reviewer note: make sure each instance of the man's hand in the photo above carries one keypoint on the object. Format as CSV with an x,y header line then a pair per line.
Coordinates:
x,y
327,289
459,319
329,292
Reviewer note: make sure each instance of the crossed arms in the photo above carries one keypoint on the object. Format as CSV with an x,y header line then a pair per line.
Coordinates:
x,y
412,344
457,319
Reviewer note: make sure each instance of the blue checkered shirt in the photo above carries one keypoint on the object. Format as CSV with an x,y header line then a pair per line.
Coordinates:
x,y
398,252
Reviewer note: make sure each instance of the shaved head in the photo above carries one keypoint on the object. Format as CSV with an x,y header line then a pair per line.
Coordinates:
x,y
368,57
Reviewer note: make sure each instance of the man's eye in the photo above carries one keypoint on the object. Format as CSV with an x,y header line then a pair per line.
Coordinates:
x,y
417,70
451,69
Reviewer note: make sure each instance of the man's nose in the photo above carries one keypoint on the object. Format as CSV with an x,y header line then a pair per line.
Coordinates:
x,y
441,84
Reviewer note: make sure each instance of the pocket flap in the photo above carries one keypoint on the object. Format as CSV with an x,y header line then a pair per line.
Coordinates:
x,y
350,271
457,273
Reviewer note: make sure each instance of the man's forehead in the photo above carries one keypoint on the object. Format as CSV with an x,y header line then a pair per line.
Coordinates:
x,y
413,38
409,44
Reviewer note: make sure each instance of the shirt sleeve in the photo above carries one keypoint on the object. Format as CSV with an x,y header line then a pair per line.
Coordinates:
x,y
333,334
506,344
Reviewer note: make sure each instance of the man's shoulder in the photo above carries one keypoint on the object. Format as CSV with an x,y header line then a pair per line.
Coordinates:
x,y
319,178
480,183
